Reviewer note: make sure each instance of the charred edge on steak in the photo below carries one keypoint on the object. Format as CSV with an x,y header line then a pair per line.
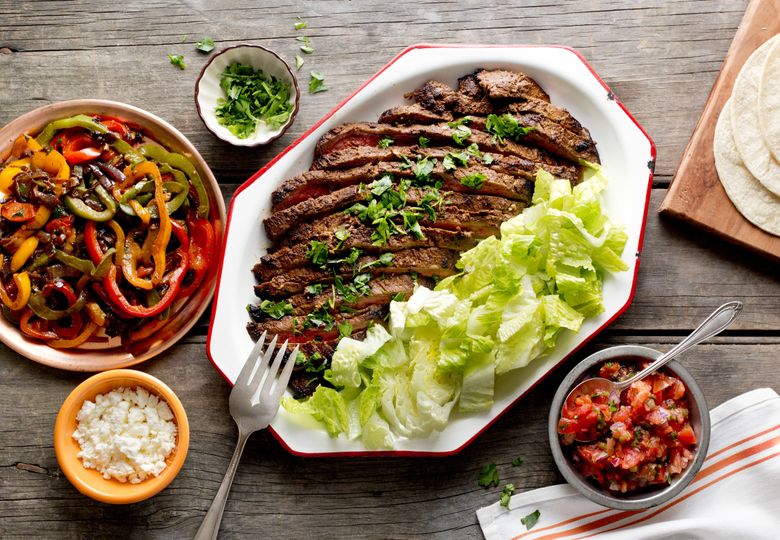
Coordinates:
x,y
502,84
292,327
430,262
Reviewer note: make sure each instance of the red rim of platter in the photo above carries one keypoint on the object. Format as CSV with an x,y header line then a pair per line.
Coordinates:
x,y
583,341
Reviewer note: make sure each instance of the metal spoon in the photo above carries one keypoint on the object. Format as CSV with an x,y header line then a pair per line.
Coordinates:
x,y
713,325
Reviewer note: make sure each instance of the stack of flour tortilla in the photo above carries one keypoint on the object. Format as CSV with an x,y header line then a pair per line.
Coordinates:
x,y
747,139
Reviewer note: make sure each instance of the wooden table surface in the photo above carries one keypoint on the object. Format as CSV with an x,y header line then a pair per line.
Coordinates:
x,y
660,58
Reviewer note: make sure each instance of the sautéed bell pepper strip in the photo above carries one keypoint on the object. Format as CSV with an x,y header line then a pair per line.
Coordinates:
x,y
82,265
23,288
130,265
24,252
178,161
80,120
200,252
18,212
52,162
38,301
85,334
80,148
38,329
173,280
69,327
80,208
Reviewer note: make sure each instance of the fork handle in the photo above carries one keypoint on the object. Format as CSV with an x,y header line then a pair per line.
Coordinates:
x,y
210,527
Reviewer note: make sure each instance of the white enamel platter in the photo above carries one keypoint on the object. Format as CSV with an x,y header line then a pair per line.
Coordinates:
x,y
628,157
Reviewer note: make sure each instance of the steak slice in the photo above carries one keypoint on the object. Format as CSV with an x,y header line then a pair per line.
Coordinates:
x,y
292,327
423,261
363,155
358,134
439,98
413,114
557,140
552,112
503,84
286,258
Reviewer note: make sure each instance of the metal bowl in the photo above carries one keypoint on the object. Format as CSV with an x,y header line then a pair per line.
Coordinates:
x,y
699,418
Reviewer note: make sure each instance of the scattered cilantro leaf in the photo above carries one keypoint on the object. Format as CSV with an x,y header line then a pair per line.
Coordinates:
x,y
345,329
473,181
488,476
453,160
177,60
317,253
517,461
509,489
298,62
315,289
423,168
384,142
385,259
307,47
461,135
205,45
252,97
487,159
276,310
300,24
341,235
505,127
320,318
317,82
530,520
424,141
459,122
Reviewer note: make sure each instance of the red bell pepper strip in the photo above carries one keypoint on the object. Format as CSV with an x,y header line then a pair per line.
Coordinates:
x,y
38,329
18,212
91,241
200,253
80,149
71,330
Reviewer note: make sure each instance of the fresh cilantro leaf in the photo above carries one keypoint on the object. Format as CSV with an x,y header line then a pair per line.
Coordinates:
x,y
177,60
307,47
406,163
317,253
319,318
317,82
315,289
509,489
252,97
488,475
423,168
298,62
378,187
448,163
487,159
300,23
424,141
385,259
345,329
341,235
530,520
459,122
205,45
473,181
517,461
461,135
315,363
505,127
384,142
399,297
412,225
276,310
353,256
454,159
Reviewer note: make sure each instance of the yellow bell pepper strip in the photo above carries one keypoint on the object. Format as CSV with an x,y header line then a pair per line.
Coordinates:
x,y
130,266
52,162
10,171
80,120
15,240
93,247
23,288
96,313
141,212
38,329
179,161
85,334
24,252
160,243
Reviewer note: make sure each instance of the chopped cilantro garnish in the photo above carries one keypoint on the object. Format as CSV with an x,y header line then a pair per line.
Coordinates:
x,y
530,520
385,259
341,235
205,45
473,181
459,122
177,60
317,82
300,24
307,46
509,489
319,318
315,289
517,461
487,159
505,127
423,168
276,310
252,97
317,253
379,187
488,476
452,160
399,297
384,142
461,135
345,329
424,141
298,62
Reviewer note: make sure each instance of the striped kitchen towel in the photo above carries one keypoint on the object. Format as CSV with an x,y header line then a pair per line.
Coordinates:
x,y
736,495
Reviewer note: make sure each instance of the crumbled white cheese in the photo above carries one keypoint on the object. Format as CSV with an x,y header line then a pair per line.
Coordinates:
x,y
125,434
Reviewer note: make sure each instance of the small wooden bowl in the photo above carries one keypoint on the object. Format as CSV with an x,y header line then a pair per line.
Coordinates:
x,y
208,91
89,481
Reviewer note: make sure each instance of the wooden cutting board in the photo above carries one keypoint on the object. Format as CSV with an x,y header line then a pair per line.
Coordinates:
x,y
696,195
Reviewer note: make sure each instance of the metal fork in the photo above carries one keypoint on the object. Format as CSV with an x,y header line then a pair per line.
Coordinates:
x,y
250,415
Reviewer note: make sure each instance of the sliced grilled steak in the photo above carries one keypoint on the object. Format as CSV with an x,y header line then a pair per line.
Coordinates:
x,y
413,114
557,140
287,258
502,84
292,327
439,98
558,115
356,157
360,134
468,85
424,261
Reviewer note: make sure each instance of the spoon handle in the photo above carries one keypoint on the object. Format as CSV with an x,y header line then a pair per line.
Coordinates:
x,y
713,325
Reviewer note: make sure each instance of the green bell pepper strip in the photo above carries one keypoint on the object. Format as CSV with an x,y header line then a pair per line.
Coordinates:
x,y
101,270
80,208
80,120
178,161
39,261
82,265
37,303
124,148
139,193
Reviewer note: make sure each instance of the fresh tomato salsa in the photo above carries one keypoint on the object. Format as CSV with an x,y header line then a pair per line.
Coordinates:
x,y
645,439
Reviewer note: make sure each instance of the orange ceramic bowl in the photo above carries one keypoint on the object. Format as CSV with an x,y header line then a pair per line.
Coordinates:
x,y
89,481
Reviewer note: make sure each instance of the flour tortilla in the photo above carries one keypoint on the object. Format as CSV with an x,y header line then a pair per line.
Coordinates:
x,y
745,122
769,101
759,206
